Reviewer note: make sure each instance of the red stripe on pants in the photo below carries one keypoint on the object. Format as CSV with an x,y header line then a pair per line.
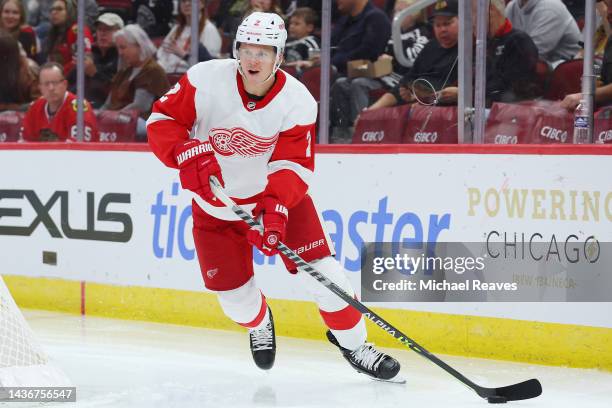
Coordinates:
x,y
343,319
262,313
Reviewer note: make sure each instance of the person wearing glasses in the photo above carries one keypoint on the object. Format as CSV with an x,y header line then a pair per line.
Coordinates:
x,y
53,116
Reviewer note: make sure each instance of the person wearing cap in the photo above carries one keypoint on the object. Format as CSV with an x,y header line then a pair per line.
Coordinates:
x,y
437,62
101,65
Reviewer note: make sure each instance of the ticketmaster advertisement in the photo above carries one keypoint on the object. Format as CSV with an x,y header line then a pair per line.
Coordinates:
x,y
120,217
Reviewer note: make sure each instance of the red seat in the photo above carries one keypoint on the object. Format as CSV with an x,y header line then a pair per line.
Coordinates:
x,y
10,125
565,79
384,125
539,122
431,124
290,70
173,77
117,126
312,79
602,132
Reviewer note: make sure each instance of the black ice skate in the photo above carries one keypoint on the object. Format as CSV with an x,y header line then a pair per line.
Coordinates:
x,y
263,345
367,360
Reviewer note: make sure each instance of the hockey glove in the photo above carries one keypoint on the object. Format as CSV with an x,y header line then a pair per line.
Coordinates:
x,y
197,162
274,220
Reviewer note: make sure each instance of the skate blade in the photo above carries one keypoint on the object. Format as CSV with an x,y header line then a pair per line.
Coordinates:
x,y
398,379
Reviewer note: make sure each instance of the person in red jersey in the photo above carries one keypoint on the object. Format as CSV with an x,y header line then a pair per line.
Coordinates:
x,y
252,126
53,116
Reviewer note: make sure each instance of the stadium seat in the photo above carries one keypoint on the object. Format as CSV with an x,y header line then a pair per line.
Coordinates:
x,y
312,79
533,122
117,126
431,124
565,79
173,77
384,125
603,125
10,126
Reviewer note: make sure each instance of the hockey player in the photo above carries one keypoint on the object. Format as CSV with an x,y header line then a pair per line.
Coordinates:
x,y
252,126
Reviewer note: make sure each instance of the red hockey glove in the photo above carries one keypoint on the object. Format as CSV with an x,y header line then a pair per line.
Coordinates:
x,y
197,162
274,221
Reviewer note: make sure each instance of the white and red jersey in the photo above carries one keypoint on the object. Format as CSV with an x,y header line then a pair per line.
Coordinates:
x,y
261,145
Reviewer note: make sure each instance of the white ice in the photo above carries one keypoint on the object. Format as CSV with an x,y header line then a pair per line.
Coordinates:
x,y
116,363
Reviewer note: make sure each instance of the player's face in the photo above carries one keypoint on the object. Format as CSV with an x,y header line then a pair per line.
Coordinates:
x,y
58,13
257,61
10,15
52,85
130,53
298,28
446,30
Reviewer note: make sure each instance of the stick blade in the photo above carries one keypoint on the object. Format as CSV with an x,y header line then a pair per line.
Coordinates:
x,y
523,390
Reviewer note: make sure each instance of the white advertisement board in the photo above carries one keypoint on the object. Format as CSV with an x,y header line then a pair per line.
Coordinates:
x,y
120,217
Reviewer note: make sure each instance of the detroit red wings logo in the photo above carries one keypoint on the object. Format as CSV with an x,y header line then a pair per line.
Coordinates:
x,y
228,142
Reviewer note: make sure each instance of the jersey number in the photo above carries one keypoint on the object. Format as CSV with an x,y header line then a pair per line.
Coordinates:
x,y
172,91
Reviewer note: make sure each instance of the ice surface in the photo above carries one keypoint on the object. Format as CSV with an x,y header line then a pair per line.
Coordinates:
x,y
116,363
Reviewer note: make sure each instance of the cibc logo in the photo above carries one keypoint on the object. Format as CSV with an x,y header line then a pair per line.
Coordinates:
x,y
505,139
44,216
373,137
425,137
605,136
553,134
108,136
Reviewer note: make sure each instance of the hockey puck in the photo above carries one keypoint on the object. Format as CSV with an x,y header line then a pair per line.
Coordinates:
x,y
497,399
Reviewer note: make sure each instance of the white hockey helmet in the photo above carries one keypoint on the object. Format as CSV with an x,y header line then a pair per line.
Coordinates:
x,y
263,29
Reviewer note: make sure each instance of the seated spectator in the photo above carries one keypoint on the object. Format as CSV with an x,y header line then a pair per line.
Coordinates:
x,y
13,21
53,116
154,16
39,12
351,96
101,66
437,62
549,24
140,79
239,9
61,43
361,33
603,93
302,48
511,59
173,56
19,85
602,32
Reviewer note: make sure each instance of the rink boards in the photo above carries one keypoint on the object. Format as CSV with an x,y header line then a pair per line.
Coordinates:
x,y
107,231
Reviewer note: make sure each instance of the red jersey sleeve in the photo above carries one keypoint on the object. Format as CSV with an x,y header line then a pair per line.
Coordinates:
x,y
291,165
171,120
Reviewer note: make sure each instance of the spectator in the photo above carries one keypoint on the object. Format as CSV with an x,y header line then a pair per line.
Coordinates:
x,y
13,21
173,55
239,9
39,13
154,16
101,66
603,31
61,43
549,24
19,84
361,33
437,62
53,116
351,96
140,80
511,58
603,93
302,42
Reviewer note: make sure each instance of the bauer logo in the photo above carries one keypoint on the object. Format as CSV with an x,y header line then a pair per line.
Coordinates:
x,y
65,226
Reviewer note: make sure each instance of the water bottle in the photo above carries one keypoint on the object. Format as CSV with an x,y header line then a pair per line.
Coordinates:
x,y
581,124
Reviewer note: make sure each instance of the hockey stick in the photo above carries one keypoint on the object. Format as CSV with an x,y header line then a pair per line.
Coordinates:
x,y
523,390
